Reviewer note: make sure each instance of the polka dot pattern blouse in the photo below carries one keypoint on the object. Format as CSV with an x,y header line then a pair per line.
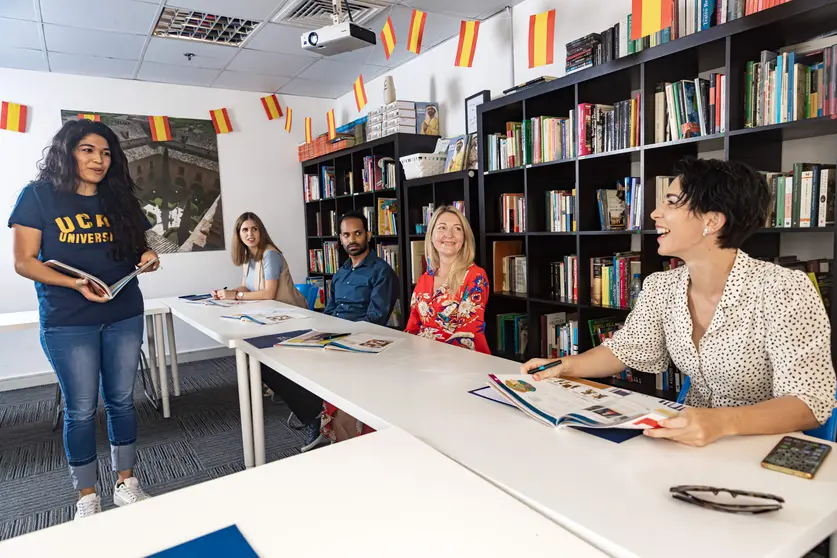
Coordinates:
x,y
770,337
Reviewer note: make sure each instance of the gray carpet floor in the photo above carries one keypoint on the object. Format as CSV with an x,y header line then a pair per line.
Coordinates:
x,y
201,441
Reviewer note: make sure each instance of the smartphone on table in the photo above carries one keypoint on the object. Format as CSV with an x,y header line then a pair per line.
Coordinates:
x,y
796,456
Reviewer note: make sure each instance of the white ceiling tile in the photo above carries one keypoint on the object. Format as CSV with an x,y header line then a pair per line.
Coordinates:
x,y
247,81
151,71
312,88
460,8
171,51
260,62
22,59
18,9
100,66
126,16
72,40
283,39
248,9
19,34
328,70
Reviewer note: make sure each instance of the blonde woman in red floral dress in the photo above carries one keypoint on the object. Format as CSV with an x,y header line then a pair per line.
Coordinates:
x,y
448,303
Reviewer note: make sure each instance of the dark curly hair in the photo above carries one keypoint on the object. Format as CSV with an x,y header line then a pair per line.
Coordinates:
x,y
120,203
732,188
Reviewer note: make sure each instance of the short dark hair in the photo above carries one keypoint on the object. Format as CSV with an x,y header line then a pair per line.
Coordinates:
x,y
732,188
356,215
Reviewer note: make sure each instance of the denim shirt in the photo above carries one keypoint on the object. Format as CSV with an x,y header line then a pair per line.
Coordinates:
x,y
366,293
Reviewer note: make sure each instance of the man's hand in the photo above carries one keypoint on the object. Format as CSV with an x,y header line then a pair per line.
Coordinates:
x,y
694,427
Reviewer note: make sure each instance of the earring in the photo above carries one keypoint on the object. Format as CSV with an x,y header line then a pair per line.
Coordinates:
x,y
706,231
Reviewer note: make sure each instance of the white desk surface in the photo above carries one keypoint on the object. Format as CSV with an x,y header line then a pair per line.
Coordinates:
x,y
615,496
29,319
385,494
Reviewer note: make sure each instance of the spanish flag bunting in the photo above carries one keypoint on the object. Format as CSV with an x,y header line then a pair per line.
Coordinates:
x,y
468,33
271,107
649,16
12,117
388,37
541,38
360,93
308,135
221,121
160,129
416,31
289,119
332,128
88,116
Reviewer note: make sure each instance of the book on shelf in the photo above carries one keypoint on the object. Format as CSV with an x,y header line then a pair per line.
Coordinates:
x,y
389,253
559,335
332,222
512,213
328,181
514,274
311,187
418,260
378,173
561,402
801,198
369,213
689,108
512,333
610,279
98,286
387,216
355,342
502,250
560,211
612,208
604,128
563,278
541,139
323,260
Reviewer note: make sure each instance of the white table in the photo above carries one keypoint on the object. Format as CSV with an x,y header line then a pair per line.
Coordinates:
x,y
385,494
615,496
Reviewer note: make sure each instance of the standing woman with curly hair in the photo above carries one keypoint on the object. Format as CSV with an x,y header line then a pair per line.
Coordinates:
x,y
83,211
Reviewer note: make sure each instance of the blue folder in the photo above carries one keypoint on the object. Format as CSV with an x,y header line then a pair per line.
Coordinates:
x,y
227,543
267,341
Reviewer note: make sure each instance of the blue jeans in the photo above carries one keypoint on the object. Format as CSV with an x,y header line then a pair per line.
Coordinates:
x,y
85,359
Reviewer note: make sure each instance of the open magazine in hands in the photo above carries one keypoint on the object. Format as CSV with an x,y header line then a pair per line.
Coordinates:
x,y
561,402
98,286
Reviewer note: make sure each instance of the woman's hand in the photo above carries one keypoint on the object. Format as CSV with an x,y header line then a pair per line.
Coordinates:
x,y
694,427
554,372
90,291
147,256
224,295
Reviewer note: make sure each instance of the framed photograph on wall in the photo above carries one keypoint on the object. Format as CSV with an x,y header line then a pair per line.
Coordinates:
x,y
471,104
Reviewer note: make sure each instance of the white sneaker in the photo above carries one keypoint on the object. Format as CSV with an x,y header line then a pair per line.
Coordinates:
x,y
87,506
129,492
319,441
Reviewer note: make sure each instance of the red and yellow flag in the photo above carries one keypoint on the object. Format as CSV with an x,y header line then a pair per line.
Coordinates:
x,y
649,16
360,93
271,107
388,37
309,137
160,129
332,127
89,116
468,33
289,119
12,117
541,38
416,31
221,121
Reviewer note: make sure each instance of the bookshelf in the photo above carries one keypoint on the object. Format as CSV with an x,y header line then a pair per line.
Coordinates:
x,y
723,49
350,162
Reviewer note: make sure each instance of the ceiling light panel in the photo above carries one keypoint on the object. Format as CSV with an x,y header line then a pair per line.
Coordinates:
x,y
181,23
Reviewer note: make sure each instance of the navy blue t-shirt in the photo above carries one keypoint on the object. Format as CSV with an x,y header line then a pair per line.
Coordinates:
x,y
76,232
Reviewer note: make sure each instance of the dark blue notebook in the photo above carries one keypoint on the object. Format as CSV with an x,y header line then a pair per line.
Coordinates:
x,y
227,543
267,341
196,297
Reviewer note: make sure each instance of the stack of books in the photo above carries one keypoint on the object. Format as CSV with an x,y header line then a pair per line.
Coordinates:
x,y
802,198
563,278
603,128
560,211
559,335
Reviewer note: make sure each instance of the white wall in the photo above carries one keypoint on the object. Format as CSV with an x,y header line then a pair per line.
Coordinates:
x,y
259,167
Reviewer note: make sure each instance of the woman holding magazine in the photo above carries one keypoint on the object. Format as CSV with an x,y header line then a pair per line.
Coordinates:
x,y
83,211
448,303
753,337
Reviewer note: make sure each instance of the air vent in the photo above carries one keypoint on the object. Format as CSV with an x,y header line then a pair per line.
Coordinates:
x,y
180,23
313,14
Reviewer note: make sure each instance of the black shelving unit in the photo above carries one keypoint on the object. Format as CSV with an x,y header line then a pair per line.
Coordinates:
x,y
724,49
440,189
351,161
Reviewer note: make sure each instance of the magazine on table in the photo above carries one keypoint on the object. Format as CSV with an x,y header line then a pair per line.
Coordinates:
x,y
560,402
349,342
99,287
268,316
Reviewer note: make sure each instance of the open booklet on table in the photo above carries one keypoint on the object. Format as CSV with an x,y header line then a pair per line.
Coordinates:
x,y
354,342
99,287
268,316
560,402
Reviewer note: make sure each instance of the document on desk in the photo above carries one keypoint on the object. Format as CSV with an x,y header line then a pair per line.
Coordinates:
x,y
560,402
221,544
268,316
334,341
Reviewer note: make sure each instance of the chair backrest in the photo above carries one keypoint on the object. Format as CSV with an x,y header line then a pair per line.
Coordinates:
x,y
827,431
310,292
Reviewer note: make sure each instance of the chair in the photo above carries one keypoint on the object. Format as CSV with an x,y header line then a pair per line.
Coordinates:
x,y
827,431
310,292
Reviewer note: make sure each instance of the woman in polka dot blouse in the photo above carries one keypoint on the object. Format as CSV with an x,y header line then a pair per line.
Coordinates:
x,y
753,337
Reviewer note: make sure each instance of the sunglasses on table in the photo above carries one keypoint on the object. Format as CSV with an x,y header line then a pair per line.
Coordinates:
x,y
727,500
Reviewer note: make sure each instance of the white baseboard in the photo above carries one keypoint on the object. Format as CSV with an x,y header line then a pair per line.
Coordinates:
x,y
45,378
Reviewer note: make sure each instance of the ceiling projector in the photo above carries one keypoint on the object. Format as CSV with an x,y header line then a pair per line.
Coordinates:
x,y
338,38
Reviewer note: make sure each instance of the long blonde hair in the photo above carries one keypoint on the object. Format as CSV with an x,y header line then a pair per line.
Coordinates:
x,y
464,259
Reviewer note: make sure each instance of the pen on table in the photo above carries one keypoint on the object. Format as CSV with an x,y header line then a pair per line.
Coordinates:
x,y
545,366
335,336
